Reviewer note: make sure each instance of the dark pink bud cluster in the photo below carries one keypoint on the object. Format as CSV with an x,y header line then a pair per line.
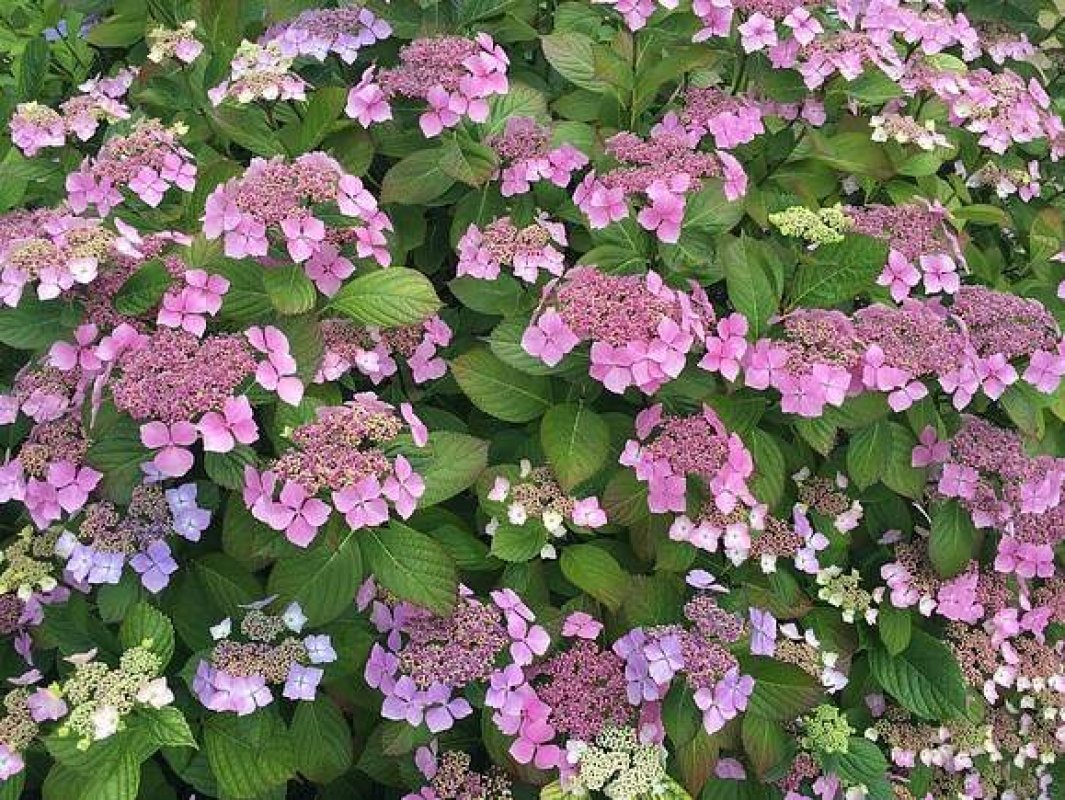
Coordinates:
x,y
526,156
483,252
454,75
731,119
922,246
237,675
640,330
277,199
339,455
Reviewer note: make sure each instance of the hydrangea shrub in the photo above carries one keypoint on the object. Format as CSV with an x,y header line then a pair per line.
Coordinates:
x,y
490,399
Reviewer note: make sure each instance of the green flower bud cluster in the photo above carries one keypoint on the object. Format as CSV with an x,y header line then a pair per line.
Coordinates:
x,y
823,226
23,574
826,730
99,696
844,591
622,768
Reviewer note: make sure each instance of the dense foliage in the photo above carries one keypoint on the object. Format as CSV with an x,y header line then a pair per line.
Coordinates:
x,y
476,399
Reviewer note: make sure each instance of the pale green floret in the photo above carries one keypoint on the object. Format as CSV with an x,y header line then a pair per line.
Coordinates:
x,y
823,226
826,730
844,591
622,768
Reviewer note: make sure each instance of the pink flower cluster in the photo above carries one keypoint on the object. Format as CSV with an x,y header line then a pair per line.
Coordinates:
x,y
483,252
260,72
317,32
339,455
428,660
731,119
106,538
845,52
1001,107
663,168
641,330
56,251
189,306
655,656
987,471
34,127
760,29
148,162
669,449
454,75
237,675
823,357
277,199
527,156
377,352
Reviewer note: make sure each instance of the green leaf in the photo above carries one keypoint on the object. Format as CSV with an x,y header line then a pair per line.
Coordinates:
x,y
597,573
119,455
121,30
226,582
449,464
501,297
321,740
753,293
895,626
227,469
866,454
34,324
520,101
472,163
770,467
146,625
782,691
246,301
143,290
289,289
411,565
838,272
764,742
709,212
416,179
388,298
924,678
863,764
32,68
322,579
167,727
576,442
500,390
573,57
518,542
899,474
325,105
115,779
953,540
249,755
247,126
